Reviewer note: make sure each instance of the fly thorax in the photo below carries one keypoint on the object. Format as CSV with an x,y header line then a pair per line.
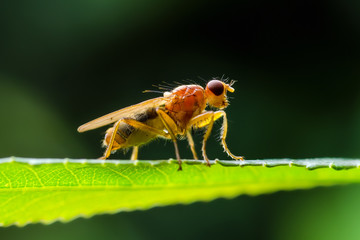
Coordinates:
x,y
185,103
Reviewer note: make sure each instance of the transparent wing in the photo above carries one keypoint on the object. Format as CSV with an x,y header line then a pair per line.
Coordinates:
x,y
122,113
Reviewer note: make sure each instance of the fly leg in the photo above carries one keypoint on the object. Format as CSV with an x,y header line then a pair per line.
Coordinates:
x,y
111,142
136,124
224,130
172,129
191,144
207,119
196,121
134,155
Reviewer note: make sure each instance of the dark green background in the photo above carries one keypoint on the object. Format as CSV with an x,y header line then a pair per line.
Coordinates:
x,y
63,63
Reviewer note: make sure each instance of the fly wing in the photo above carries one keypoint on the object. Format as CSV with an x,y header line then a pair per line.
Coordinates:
x,y
122,113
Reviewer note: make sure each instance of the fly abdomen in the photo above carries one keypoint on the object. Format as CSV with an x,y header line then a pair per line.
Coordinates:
x,y
127,135
121,136
125,130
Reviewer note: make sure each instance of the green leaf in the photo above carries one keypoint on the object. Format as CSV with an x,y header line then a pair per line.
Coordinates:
x,y
46,190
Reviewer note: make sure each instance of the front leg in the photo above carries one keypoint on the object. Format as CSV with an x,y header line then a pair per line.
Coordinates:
x,y
206,119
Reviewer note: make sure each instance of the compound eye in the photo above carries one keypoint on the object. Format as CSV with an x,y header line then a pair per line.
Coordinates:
x,y
216,87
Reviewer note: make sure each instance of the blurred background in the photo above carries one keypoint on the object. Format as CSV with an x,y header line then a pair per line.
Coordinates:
x,y
63,63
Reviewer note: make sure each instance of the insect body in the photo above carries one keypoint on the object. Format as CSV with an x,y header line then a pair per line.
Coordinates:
x,y
169,117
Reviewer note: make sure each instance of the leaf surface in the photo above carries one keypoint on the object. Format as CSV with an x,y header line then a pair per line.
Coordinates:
x,y
46,190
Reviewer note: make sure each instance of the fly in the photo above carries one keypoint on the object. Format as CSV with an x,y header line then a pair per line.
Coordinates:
x,y
171,116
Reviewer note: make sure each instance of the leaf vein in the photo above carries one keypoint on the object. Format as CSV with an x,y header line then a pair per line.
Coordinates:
x,y
35,174
7,178
120,174
72,173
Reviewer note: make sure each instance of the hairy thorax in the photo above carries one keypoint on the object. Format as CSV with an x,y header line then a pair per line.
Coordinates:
x,y
185,102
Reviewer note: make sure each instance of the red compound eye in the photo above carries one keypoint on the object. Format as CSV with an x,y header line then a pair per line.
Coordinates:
x,y
216,87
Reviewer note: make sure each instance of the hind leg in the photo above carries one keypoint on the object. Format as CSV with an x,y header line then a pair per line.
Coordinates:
x,y
134,155
136,124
